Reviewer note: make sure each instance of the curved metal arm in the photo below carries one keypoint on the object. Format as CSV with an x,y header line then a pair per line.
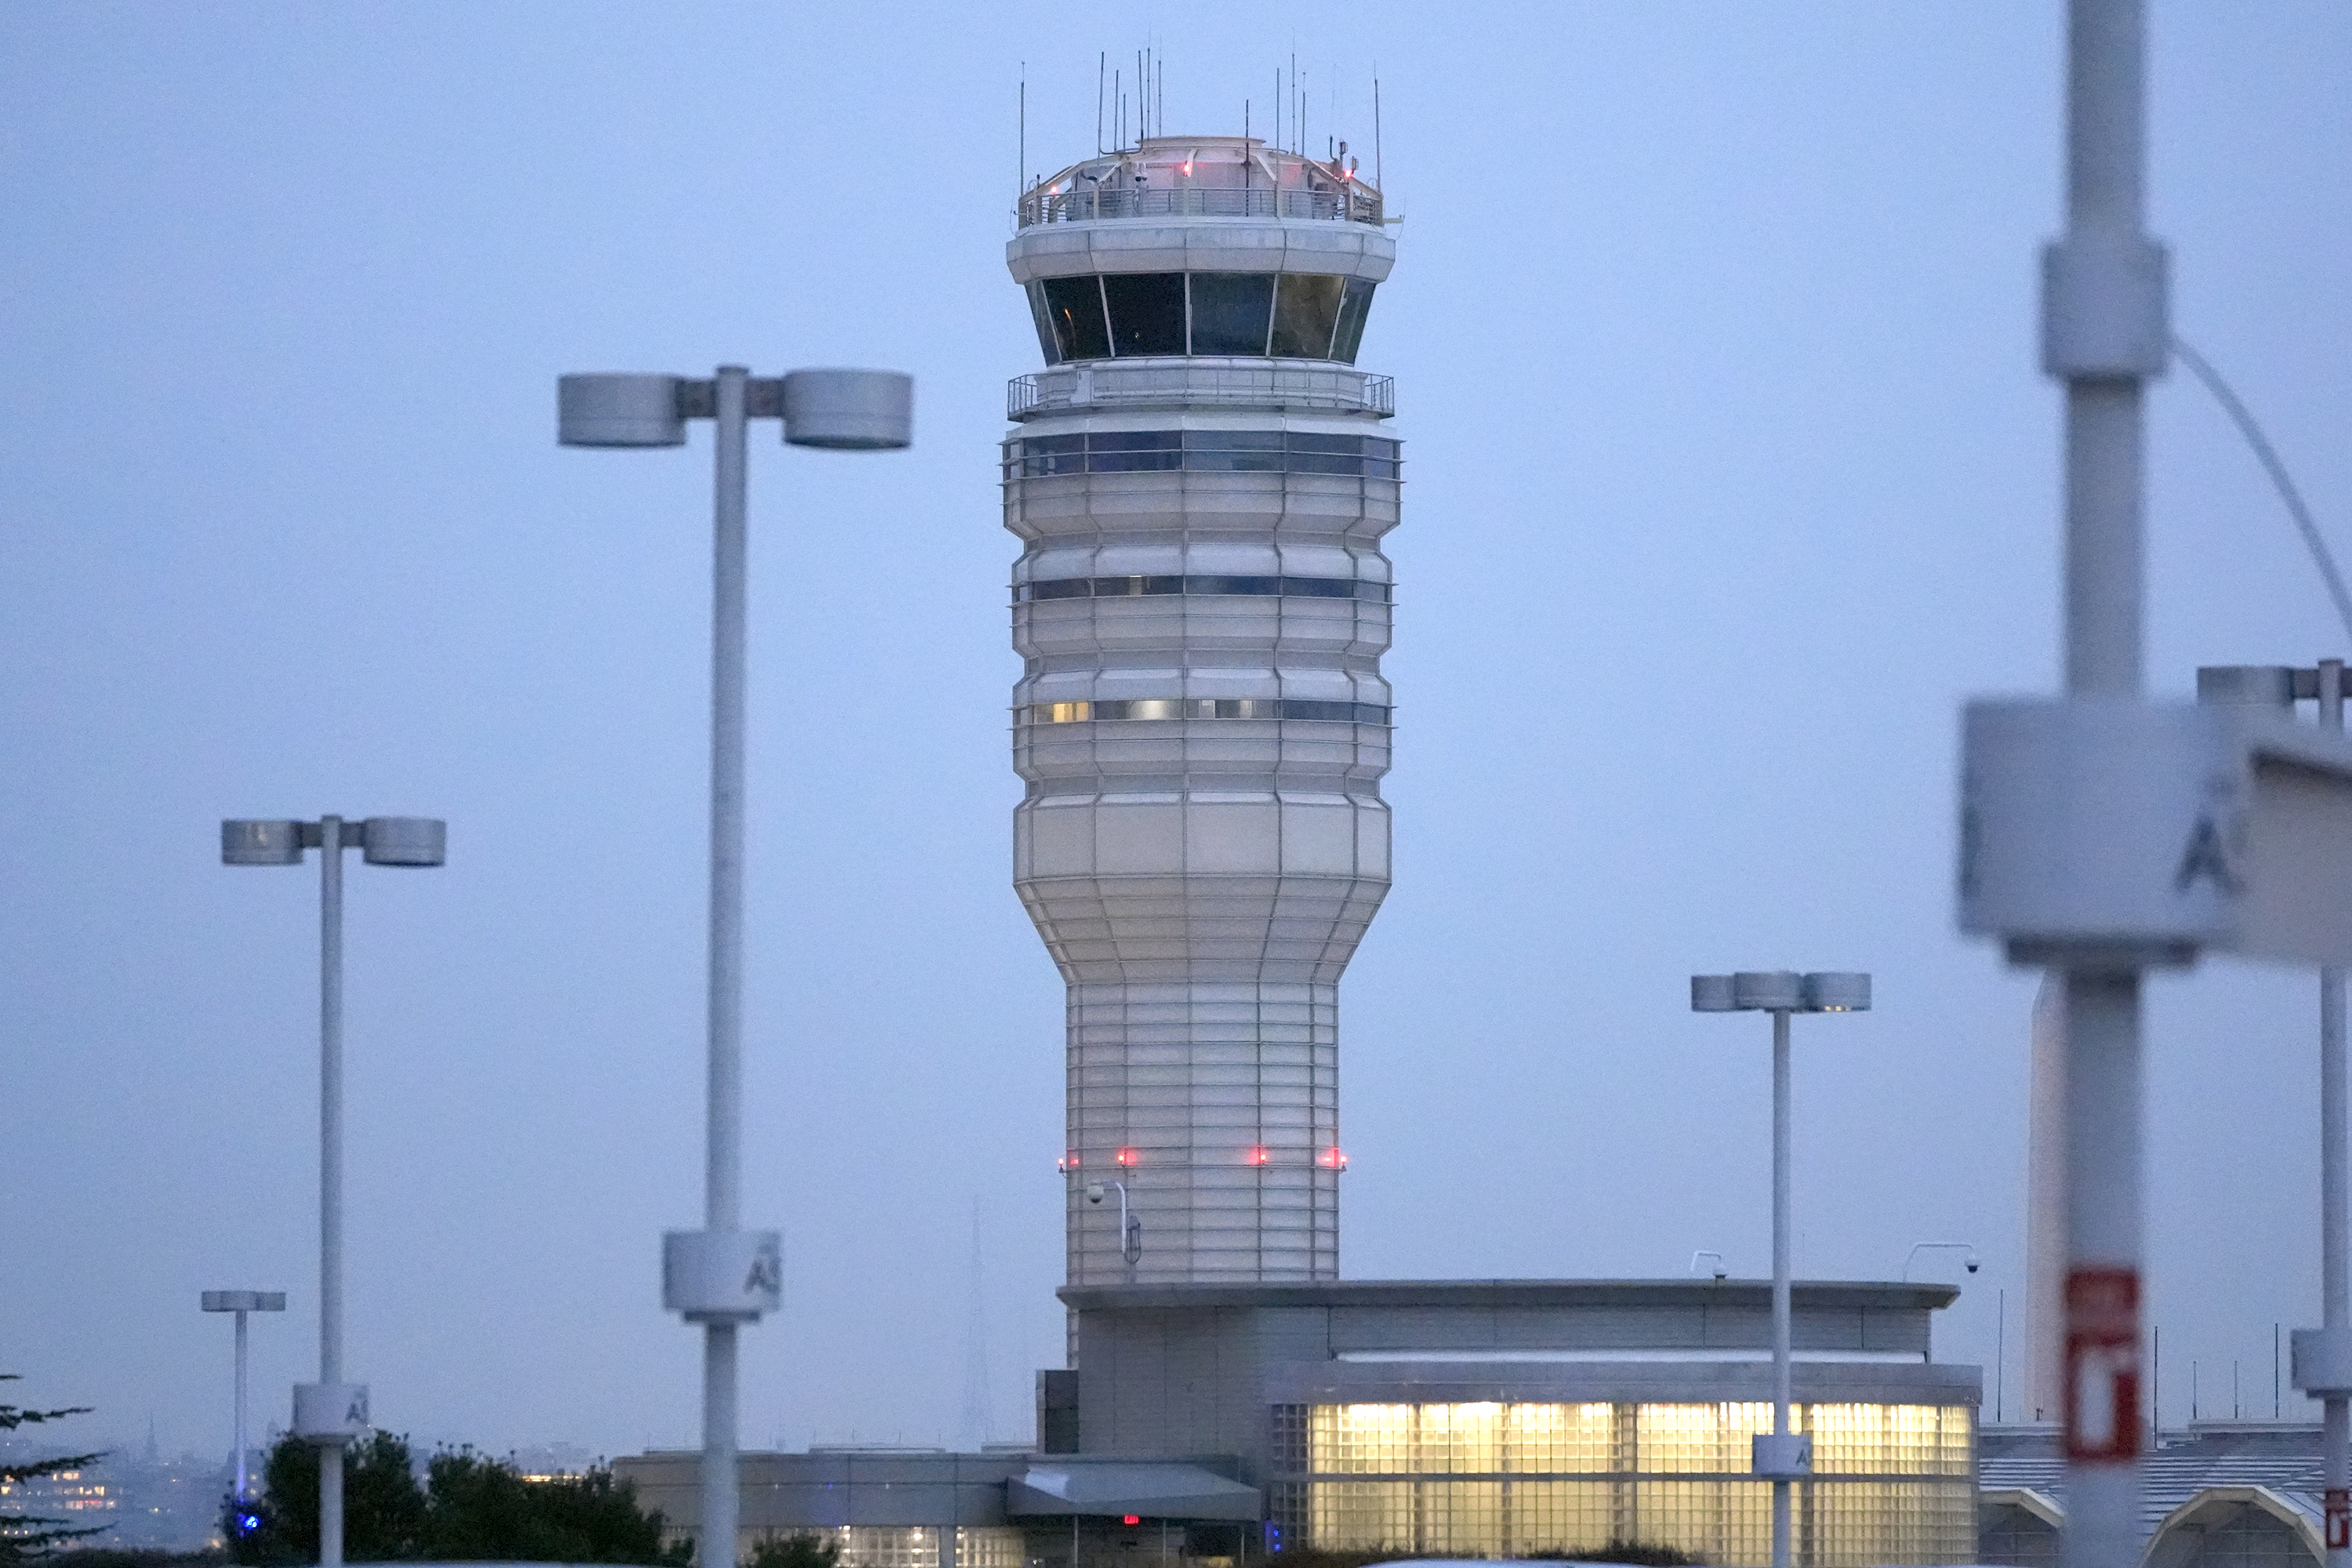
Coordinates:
x,y
1130,1230
1130,1226
1970,1261
2243,418
1719,1270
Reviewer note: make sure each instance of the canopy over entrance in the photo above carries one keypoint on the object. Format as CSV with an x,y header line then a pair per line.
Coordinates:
x,y
1119,1489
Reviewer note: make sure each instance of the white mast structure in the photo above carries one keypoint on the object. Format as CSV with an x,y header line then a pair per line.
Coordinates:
x,y
1201,480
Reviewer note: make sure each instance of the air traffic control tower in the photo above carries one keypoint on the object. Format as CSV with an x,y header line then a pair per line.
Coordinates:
x,y
1201,481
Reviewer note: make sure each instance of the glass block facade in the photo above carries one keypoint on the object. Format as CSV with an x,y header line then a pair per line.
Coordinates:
x,y
1892,1483
902,1546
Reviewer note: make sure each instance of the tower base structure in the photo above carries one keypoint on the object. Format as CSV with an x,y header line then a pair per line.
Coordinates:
x,y
1248,1068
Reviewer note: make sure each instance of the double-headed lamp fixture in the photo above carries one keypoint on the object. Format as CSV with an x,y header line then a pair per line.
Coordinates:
x,y
1780,991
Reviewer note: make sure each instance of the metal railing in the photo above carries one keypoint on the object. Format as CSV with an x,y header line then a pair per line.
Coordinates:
x,y
1093,203
1331,387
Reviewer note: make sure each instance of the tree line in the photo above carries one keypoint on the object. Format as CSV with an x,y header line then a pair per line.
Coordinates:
x,y
469,1509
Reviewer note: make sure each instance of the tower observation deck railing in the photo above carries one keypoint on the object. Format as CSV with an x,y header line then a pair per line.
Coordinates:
x,y
1089,203
1229,383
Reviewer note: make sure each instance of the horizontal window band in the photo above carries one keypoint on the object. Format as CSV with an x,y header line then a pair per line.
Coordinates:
x,y
1200,708
1202,452
1062,466
1139,586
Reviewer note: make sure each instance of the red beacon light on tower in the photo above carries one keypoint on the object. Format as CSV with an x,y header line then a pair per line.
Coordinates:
x,y
1258,1155
1067,1163
1127,1157
1331,1159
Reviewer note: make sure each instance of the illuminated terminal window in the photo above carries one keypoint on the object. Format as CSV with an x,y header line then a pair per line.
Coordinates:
x,y
1256,315
1200,451
1892,1482
1201,707
901,1546
1138,586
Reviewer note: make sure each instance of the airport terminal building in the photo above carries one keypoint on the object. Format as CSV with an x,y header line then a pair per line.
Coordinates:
x,y
1505,1417
1474,1417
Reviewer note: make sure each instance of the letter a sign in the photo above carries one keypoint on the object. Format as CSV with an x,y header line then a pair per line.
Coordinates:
x,y
766,1277
2103,1365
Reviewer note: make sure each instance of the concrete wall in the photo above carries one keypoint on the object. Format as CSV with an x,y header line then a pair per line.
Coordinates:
x,y
784,1494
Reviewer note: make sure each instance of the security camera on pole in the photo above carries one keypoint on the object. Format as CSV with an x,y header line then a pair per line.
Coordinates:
x,y
331,1412
1968,1259
1131,1225
723,1276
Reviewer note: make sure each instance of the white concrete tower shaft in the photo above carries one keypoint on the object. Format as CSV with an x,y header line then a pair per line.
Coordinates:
x,y
1201,480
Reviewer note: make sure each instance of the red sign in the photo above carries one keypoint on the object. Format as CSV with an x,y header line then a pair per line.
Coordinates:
x,y
2339,1520
2102,1414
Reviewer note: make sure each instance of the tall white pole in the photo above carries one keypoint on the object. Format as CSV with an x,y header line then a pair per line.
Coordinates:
x,y
723,1174
2104,576
2103,1215
2336,1292
331,1173
2098,335
2045,1208
240,1408
2103,572
1780,1305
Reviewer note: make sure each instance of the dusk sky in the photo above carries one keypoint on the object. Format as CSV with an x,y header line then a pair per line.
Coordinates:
x,y
1731,475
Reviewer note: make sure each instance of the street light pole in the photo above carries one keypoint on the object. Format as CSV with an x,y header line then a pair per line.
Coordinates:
x,y
2104,336
242,1302
240,1485
1783,1353
331,1174
723,1277
2070,809
2335,1247
331,1412
723,1134
1784,1456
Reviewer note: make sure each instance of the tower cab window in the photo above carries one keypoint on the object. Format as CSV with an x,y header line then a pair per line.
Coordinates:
x,y
1130,315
